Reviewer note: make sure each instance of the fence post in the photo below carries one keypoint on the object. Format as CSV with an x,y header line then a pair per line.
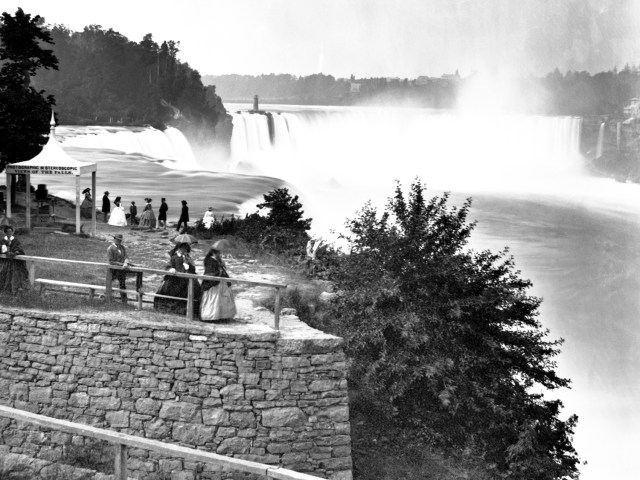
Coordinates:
x,y
31,267
190,300
120,472
107,291
276,310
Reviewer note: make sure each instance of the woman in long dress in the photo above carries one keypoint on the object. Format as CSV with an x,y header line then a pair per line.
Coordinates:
x,y
118,218
208,218
14,275
180,262
217,301
86,206
147,218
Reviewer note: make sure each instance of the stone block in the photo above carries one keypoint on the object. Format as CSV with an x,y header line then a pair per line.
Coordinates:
x,y
157,429
118,419
148,406
231,446
181,411
242,419
232,392
79,399
192,434
215,416
40,394
283,417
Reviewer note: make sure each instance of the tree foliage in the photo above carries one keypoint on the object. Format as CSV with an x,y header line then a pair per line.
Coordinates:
x,y
448,339
25,112
105,78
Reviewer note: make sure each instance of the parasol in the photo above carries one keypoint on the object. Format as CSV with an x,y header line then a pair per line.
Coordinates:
x,y
184,238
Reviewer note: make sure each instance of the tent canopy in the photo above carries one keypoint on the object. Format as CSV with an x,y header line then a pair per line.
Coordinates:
x,y
52,160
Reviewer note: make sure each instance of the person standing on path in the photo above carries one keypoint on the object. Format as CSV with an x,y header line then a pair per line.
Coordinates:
x,y
162,214
117,255
184,216
106,205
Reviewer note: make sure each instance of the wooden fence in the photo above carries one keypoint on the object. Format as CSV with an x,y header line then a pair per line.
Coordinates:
x,y
122,441
32,261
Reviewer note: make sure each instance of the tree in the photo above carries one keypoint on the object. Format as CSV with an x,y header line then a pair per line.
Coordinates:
x,y
284,210
25,112
448,340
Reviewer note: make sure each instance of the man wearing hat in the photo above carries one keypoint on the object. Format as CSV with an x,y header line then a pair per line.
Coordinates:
x,y
106,205
117,255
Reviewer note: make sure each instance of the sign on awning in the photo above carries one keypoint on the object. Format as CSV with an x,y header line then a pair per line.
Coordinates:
x,y
41,170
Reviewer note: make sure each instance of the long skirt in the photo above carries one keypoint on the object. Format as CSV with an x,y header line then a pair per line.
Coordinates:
x,y
13,275
218,303
148,219
177,287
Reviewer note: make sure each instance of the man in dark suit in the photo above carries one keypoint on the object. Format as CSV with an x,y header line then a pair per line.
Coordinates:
x,y
106,206
184,216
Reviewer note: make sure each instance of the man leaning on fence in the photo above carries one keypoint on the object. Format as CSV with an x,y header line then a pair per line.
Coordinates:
x,y
117,255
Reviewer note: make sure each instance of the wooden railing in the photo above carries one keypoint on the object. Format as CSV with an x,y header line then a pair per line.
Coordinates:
x,y
31,262
122,441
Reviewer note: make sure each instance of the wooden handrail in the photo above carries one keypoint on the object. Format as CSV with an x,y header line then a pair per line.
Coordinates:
x,y
137,268
31,260
123,440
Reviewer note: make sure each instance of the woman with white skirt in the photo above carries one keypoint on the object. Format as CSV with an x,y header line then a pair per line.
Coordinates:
x,y
217,302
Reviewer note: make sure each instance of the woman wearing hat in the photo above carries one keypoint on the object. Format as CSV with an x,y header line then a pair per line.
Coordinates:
x,y
217,301
14,275
208,218
86,206
180,262
148,218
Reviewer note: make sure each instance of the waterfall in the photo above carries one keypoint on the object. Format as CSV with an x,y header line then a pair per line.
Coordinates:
x,y
169,144
473,151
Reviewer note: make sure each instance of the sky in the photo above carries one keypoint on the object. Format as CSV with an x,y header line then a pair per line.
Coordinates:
x,y
370,38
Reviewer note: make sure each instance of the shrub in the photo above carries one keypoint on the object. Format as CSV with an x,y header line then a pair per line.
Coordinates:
x,y
449,340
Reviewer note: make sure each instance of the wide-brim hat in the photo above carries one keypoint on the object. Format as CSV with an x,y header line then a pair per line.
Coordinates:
x,y
107,192
86,190
210,209
118,236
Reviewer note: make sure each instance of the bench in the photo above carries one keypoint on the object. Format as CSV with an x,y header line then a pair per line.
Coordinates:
x,y
43,282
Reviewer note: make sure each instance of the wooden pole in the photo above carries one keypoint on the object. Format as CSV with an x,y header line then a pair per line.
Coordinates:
x,y
107,291
8,200
190,300
27,200
31,267
93,204
120,471
276,308
77,203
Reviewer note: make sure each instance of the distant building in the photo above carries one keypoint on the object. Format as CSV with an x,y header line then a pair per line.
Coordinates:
x,y
355,87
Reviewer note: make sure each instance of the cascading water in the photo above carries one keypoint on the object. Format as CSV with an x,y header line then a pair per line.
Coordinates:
x,y
473,152
169,144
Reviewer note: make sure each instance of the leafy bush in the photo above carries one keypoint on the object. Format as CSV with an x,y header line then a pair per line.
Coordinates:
x,y
448,339
282,230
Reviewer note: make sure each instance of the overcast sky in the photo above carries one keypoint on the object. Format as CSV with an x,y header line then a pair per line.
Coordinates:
x,y
393,38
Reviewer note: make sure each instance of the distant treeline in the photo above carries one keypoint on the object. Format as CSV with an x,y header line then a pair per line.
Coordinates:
x,y
105,78
572,93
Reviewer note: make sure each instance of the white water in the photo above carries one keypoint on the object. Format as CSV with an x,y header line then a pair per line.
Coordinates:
x,y
576,237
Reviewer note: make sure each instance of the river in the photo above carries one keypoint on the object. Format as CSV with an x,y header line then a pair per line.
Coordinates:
x,y
576,237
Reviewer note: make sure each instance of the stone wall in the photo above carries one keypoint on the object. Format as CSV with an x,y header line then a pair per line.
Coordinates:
x,y
240,389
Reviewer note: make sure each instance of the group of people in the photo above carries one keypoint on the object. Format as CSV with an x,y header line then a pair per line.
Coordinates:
x,y
213,299
147,218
